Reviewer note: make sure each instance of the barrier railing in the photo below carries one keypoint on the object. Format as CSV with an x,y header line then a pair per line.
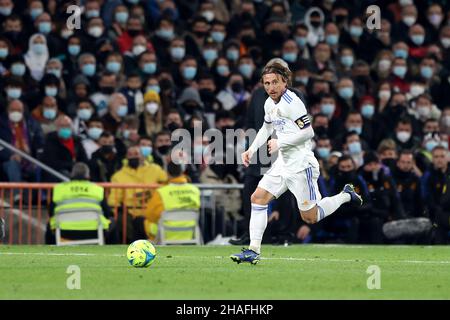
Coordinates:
x,y
25,207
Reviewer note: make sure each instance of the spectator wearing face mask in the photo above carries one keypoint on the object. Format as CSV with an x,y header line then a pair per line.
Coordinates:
x,y
150,120
163,145
403,135
62,149
106,87
370,117
46,114
24,133
424,110
135,171
93,134
117,110
190,103
234,94
105,161
48,87
424,154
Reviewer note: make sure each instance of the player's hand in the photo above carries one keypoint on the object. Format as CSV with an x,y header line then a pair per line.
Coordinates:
x,y
303,232
246,156
273,146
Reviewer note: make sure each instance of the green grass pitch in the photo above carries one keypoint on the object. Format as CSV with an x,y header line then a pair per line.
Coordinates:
x,y
189,272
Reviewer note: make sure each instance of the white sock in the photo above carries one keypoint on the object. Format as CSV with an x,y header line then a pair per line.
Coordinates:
x,y
258,223
328,205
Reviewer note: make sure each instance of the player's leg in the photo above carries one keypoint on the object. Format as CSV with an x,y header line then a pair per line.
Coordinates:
x,y
269,187
313,207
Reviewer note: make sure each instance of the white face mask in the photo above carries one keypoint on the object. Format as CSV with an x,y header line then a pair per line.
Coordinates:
x,y
403,136
424,112
384,94
409,20
15,116
447,121
445,42
95,31
416,90
151,107
384,65
137,50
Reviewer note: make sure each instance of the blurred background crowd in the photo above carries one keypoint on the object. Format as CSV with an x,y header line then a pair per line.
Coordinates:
x,y
110,94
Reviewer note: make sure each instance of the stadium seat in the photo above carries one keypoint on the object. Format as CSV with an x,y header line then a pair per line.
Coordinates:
x,y
168,221
71,216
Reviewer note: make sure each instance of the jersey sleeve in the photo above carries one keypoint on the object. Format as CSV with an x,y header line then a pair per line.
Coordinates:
x,y
296,110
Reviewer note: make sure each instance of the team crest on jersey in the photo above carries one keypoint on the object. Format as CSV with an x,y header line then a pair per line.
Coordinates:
x,y
303,122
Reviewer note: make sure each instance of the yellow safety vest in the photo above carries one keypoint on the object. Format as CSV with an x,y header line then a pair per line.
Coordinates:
x,y
76,196
180,196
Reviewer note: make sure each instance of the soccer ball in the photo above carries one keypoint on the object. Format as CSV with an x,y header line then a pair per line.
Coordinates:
x,y
141,253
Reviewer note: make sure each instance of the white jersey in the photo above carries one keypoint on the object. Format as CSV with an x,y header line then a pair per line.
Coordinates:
x,y
288,117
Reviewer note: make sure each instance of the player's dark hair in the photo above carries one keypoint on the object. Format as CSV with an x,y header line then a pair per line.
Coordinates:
x,y
277,68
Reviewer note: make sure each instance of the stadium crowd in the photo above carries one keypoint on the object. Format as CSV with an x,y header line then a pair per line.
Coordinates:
x,y
136,70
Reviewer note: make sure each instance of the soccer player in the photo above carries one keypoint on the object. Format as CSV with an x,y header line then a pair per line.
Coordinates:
x,y
295,169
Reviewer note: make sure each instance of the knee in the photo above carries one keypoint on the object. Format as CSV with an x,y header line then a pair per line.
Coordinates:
x,y
309,217
257,198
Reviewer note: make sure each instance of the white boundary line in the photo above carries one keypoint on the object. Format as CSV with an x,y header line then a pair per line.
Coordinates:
x,y
225,257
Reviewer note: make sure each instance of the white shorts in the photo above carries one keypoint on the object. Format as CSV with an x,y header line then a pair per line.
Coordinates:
x,y
302,184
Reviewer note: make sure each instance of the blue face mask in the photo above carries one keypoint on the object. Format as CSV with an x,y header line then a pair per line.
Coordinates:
x,y
36,12
346,92
56,72
210,54
301,41
246,70
38,48
347,61
358,130
146,151
45,27
14,93
189,73
223,70
356,31
399,71
401,53
74,49
327,108
418,39
18,69
49,114
65,133
368,111
51,91
218,36
5,11
113,66
233,55
95,133
92,14
84,114
149,68
332,39
323,153
354,147
121,17
154,88
290,56
88,69
426,72
177,53
430,145
166,34
3,53
122,111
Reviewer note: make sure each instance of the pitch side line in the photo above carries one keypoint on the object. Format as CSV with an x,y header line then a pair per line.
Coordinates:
x,y
225,257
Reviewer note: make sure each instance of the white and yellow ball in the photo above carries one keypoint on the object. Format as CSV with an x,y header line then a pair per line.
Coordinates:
x,y
141,253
